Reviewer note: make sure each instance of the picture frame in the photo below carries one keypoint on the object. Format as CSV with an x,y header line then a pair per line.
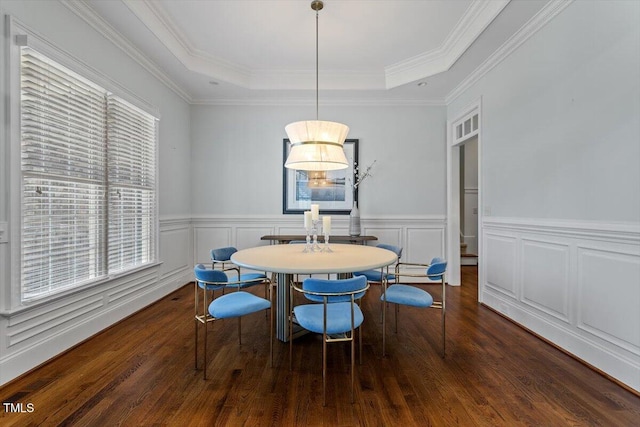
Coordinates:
x,y
331,190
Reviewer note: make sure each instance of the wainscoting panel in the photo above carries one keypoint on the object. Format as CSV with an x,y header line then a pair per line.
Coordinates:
x,y
33,334
175,248
575,284
247,236
423,244
609,289
130,287
389,236
545,277
421,237
26,328
206,238
501,254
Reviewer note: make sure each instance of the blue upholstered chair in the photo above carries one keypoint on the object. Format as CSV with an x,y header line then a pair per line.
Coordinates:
x,y
412,295
376,276
333,313
221,258
234,304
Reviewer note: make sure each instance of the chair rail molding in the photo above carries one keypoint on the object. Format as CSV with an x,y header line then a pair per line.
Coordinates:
x,y
575,283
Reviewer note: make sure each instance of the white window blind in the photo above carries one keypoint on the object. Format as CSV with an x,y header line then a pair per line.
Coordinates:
x,y
131,139
69,211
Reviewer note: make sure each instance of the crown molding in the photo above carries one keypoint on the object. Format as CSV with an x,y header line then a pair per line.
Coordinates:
x,y
544,16
161,25
306,79
87,14
307,102
475,20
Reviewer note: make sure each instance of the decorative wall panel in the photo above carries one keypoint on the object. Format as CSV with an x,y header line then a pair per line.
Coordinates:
x,y
609,295
578,285
500,254
545,277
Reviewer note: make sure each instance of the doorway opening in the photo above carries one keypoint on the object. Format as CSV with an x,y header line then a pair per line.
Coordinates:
x,y
464,192
469,201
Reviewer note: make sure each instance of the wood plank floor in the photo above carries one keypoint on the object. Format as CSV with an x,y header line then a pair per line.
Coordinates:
x,y
140,372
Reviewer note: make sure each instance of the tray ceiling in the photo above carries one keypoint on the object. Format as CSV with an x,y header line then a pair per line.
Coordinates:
x,y
265,50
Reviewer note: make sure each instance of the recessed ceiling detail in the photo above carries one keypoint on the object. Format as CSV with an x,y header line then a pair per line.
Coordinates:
x,y
372,52
177,27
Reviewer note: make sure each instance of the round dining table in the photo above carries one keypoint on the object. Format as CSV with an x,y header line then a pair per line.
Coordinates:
x,y
285,261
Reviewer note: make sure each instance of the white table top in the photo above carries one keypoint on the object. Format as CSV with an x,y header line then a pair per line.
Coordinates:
x,y
291,259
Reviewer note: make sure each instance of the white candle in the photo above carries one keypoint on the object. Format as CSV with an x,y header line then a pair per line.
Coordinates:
x,y
315,212
307,220
326,224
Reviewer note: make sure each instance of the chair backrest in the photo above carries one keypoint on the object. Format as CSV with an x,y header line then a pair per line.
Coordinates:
x,y
337,286
208,275
392,248
222,254
437,268
297,242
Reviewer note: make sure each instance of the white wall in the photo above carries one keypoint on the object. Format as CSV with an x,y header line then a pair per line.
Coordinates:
x,y
31,335
237,150
560,124
561,184
237,159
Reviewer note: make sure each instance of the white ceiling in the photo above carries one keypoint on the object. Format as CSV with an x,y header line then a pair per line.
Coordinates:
x,y
264,51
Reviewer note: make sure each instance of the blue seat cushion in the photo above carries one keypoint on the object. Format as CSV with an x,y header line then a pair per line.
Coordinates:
x,y
374,275
408,295
250,278
237,304
310,317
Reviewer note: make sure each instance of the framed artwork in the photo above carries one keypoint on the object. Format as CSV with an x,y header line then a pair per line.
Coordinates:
x,y
332,190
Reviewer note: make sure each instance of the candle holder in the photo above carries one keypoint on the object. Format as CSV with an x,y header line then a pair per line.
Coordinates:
x,y
315,247
326,247
307,247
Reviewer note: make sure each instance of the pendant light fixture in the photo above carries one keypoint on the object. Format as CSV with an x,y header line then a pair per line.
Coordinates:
x,y
317,145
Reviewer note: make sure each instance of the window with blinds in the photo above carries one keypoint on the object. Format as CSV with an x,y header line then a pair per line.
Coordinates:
x,y
88,180
131,185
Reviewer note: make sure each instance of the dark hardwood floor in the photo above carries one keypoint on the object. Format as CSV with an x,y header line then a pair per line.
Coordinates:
x,y
140,372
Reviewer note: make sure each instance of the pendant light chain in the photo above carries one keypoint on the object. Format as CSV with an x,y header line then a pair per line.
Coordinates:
x,y
317,72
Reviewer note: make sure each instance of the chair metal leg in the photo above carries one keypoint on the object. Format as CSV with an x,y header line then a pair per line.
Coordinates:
x,y
195,322
204,322
384,322
267,284
324,369
290,313
271,319
353,366
204,369
444,306
443,334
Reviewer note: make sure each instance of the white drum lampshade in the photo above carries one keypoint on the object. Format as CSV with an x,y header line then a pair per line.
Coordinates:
x,y
317,145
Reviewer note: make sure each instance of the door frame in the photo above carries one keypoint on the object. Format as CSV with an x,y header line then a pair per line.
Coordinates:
x,y
453,191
